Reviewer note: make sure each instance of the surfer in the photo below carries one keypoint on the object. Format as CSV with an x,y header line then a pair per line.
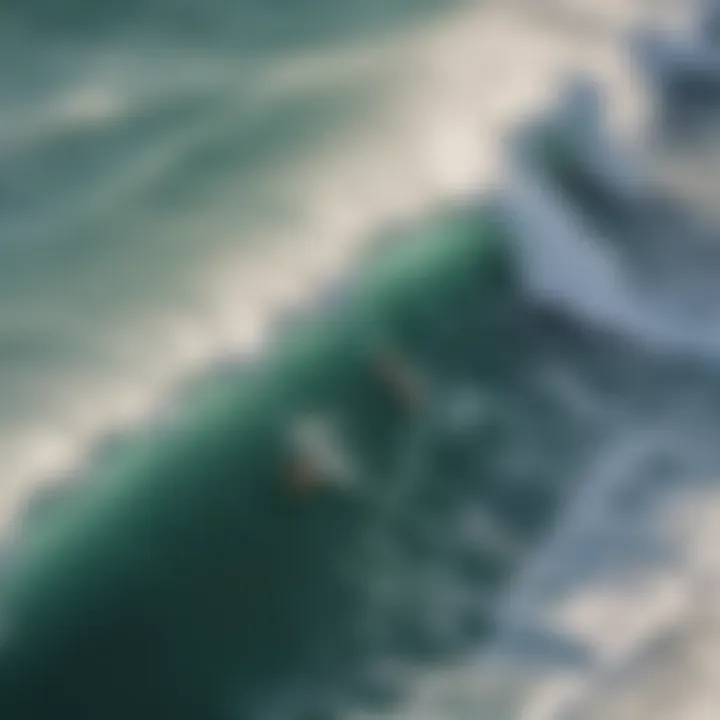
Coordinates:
x,y
319,458
399,377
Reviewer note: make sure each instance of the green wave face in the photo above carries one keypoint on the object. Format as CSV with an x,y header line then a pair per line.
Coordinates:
x,y
183,565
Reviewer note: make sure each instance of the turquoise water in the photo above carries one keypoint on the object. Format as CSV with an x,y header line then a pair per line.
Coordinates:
x,y
176,179
218,588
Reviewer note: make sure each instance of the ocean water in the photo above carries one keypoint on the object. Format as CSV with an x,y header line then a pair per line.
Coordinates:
x,y
177,180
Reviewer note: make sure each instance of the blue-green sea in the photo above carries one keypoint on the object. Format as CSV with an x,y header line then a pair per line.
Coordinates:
x,y
182,185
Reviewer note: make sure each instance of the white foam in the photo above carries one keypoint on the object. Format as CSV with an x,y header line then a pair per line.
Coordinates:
x,y
457,83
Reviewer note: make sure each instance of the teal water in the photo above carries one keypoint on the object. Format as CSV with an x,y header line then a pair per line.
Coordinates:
x,y
175,178
185,567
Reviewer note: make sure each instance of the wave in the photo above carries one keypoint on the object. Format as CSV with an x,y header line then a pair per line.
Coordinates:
x,y
324,588
458,428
